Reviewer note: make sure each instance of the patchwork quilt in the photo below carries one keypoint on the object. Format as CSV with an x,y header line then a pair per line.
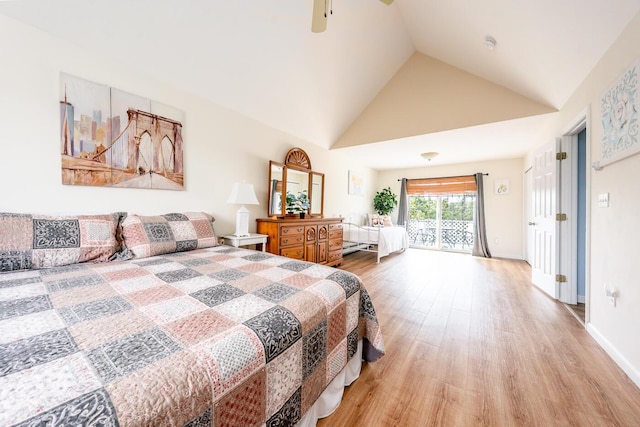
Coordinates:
x,y
219,336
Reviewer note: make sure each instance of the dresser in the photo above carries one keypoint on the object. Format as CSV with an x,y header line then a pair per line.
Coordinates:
x,y
316,240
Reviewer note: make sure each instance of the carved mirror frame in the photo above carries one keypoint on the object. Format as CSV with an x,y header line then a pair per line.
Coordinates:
x,y
296,162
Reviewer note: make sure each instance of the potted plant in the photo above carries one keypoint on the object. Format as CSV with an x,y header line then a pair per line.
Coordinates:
x,y
384,201
297,204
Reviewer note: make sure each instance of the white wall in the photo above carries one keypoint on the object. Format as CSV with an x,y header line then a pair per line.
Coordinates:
x,y
503,213
220,146
614,232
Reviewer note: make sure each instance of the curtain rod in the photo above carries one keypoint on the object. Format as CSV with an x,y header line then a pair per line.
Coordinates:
x,y
439,177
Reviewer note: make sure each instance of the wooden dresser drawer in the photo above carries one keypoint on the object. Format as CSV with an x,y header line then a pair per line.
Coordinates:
x,y
294,239
295,253
335,234
334,256
335,245
335,226
289,230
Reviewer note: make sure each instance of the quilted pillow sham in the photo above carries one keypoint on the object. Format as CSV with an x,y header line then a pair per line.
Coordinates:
x,y
29,241
147,236
375,220
379,220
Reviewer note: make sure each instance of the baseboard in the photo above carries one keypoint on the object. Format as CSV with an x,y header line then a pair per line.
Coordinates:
x,y
506,255
620,360
582,299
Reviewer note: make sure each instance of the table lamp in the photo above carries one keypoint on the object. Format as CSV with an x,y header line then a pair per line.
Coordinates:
x,y
242,194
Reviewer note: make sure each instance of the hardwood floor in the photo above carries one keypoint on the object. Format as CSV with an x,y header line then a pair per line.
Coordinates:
x,y
578,310
471,342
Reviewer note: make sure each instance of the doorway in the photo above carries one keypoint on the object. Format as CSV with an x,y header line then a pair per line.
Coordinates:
x,y
528,211
580,142
569,267
574,201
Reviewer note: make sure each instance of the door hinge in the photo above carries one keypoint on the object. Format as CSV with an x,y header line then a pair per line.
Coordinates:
x,y
561,278
561,217
561,155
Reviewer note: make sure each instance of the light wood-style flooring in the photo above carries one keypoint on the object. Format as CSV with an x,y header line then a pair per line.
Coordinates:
x,y
578,310
471,342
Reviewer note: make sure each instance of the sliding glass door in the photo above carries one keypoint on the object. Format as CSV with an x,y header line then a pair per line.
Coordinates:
x,y
442,212
442,221
424,212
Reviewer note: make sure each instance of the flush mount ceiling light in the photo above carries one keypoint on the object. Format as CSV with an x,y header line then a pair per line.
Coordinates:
x,y
490,43
429,156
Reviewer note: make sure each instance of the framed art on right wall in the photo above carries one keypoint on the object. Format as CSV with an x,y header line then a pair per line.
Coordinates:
x,y
619,111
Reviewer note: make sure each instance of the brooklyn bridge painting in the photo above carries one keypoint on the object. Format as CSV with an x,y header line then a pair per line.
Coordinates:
x,y
109,137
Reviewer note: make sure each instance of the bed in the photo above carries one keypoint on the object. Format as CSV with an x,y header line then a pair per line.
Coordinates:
x,y
383,240
197,336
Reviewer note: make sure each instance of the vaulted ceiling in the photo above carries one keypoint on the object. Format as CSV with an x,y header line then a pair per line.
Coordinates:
x,y
261,59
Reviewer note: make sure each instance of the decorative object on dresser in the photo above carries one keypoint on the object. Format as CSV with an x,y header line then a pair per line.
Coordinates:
x,y
242,194
316,240
298,204
293,183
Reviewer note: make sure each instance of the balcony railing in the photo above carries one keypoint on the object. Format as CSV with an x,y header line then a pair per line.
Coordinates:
x,y
454,234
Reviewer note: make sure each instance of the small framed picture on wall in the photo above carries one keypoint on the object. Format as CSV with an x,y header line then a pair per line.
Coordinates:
x,y
356,183
501,186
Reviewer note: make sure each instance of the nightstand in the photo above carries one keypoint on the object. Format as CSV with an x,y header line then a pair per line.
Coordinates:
x,y
251,239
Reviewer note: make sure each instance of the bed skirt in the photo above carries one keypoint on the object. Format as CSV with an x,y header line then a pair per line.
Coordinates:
x,y
331,397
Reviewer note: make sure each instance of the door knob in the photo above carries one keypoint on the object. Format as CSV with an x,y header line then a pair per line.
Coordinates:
x,y
532,223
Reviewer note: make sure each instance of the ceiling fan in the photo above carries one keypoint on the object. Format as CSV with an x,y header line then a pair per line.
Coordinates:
x,y
322,8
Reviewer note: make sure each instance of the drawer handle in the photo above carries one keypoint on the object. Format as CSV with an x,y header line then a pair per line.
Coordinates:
x,y
285,241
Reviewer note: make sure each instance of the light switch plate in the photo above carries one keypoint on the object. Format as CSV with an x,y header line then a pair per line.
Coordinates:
x,y
603,200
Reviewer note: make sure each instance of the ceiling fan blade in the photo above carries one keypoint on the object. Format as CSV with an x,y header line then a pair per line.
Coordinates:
x,y
319,19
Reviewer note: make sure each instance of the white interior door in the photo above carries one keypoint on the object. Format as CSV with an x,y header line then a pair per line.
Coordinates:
x,y
567,230
545,176
528,215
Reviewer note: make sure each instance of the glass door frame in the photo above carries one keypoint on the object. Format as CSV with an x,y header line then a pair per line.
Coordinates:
x,y
424,232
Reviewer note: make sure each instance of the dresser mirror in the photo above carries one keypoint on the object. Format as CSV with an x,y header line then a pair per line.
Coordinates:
x,y
295,177
276,177
317,190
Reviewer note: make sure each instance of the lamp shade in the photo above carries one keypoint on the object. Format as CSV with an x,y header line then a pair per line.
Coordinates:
x,y
243,194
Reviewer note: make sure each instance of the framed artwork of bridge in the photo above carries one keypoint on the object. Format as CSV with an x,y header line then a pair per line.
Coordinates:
x,y
113,138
